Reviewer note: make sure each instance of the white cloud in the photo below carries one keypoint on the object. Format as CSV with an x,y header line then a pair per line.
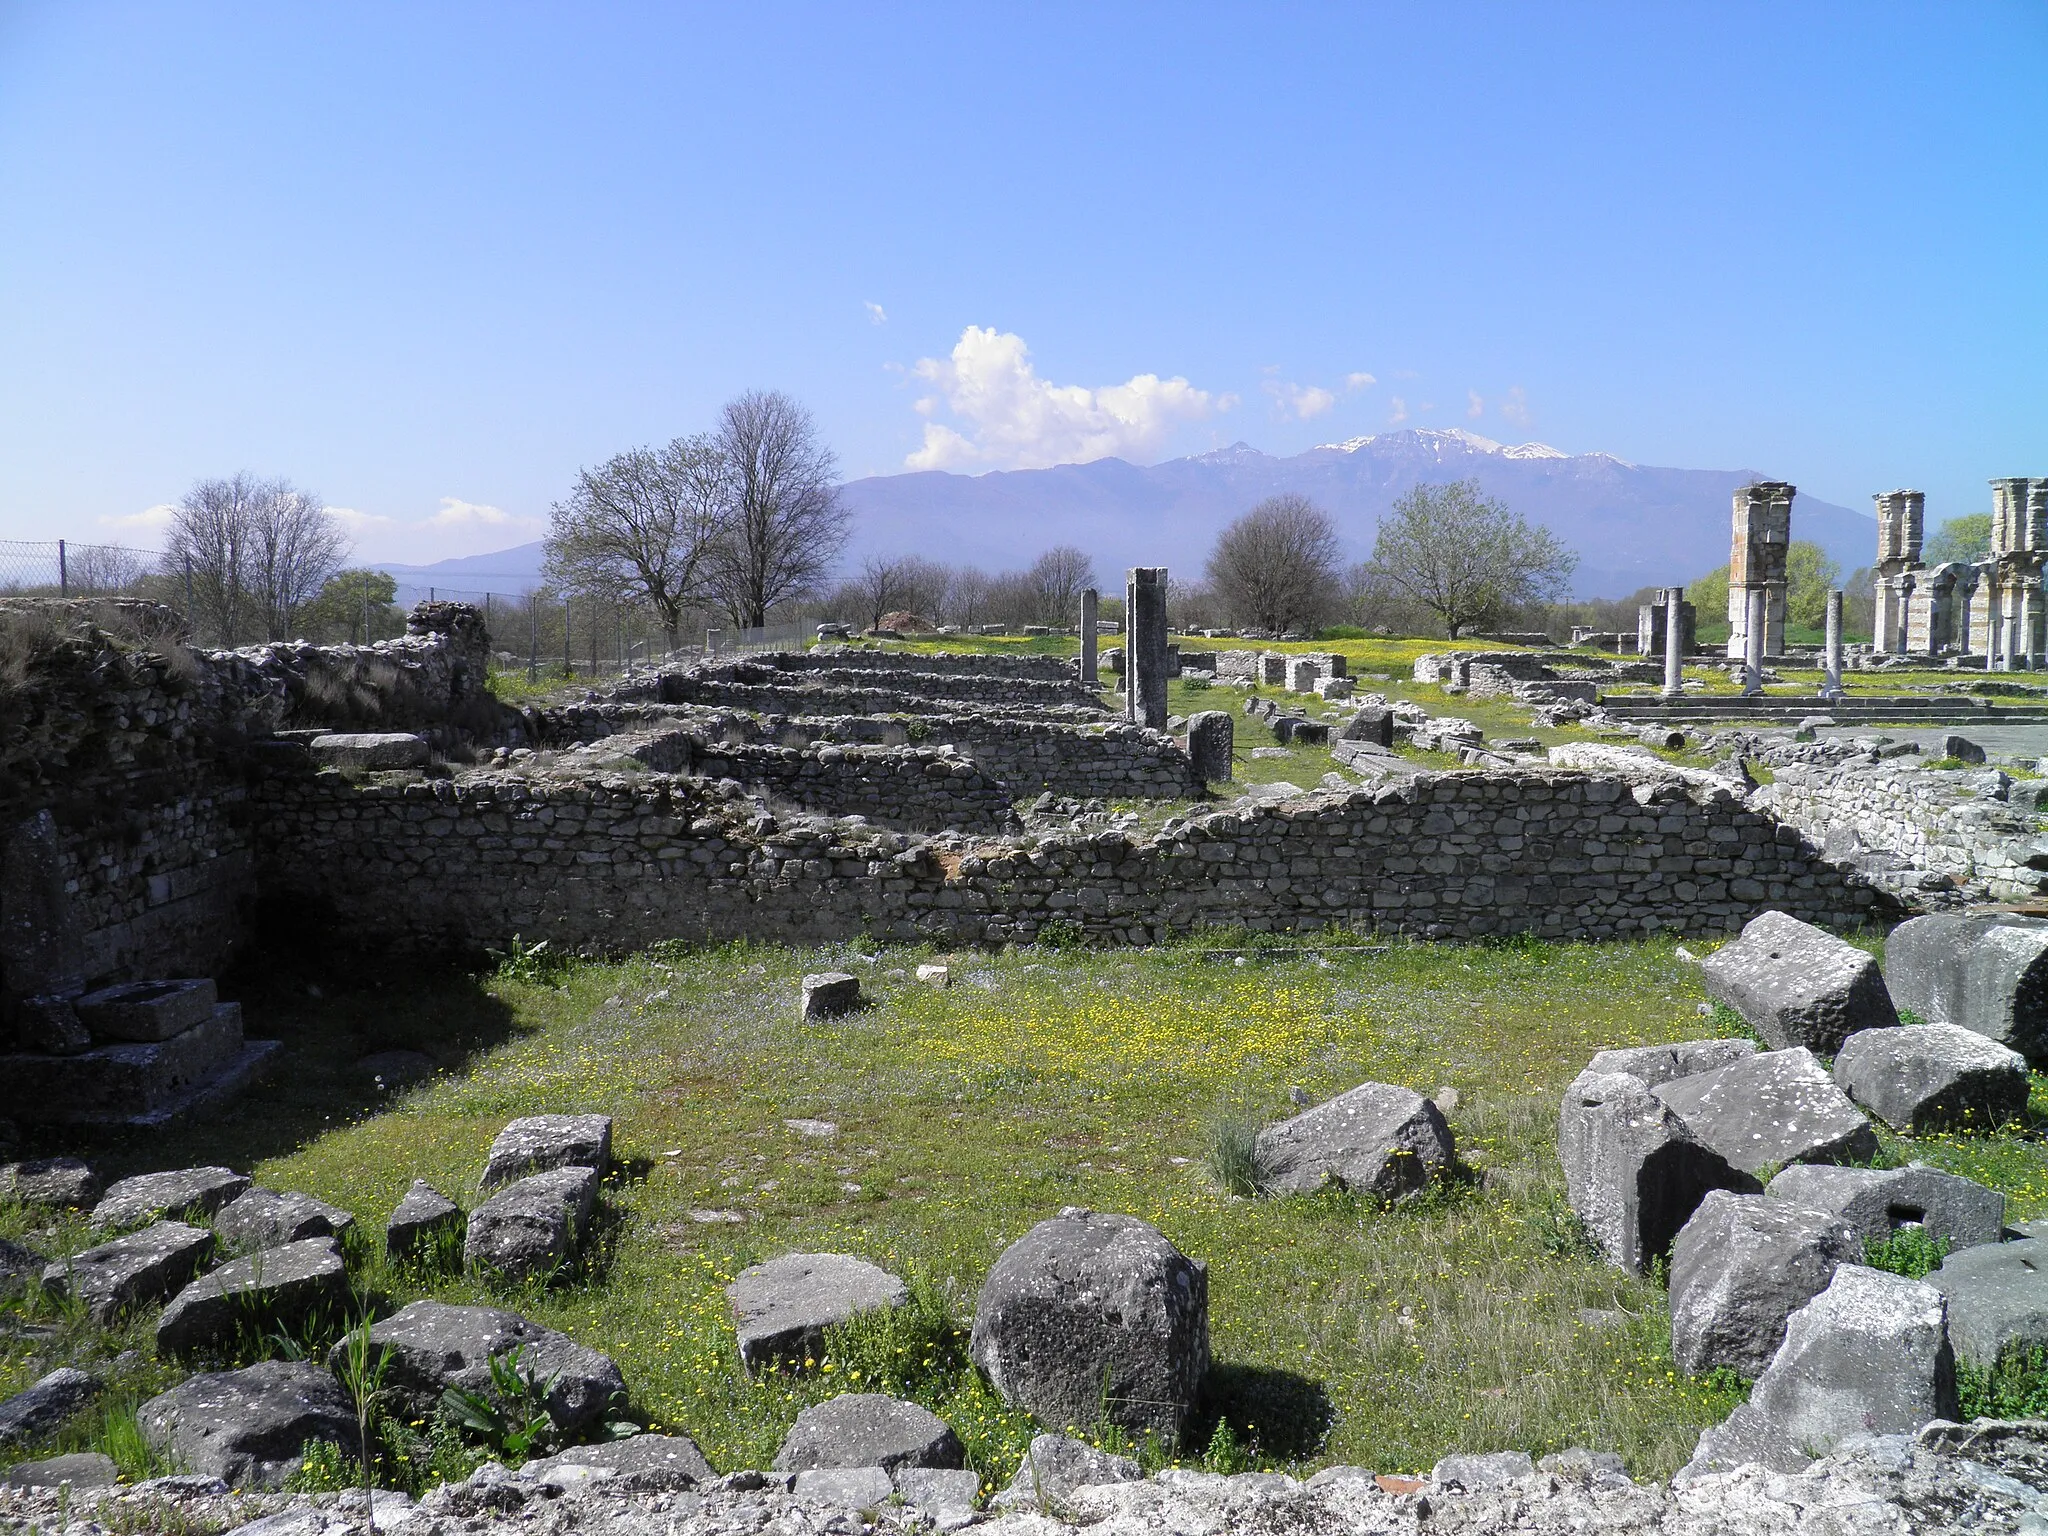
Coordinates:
x,y
876,314
1359,381
151,520
1300,400
1516,407
1474,406
1016,420
1399,413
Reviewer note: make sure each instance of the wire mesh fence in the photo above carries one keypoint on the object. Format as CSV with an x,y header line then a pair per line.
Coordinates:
x,y
60,568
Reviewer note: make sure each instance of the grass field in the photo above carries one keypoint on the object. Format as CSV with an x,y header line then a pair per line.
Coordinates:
x,y
1343,1332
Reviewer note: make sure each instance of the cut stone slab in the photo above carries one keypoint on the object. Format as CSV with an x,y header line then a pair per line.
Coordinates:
x,y
1633,1172
533,1227
935,975
1090,1315
1055,1466
657,1463
1482,1473
269,1218
944,1496
81,1469
1877,1202
1772,1108
1962,749
180,1192
370,750
134,1271
147,1084
43,1408
250,1427
829,993
1987,972
541,1142
266,1292
1656,1064
425,1218
432,1346
1742,1266
1796,984
1375,1140
848,1487
1867,1356
146,1010
1931,1077
61,1182
784,1306
866,1429
1997,1298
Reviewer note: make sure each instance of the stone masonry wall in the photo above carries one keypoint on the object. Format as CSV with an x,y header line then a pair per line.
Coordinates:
x,y
911,788
708,685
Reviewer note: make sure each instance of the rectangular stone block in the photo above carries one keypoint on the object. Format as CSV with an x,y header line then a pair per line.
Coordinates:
x,y
146,1010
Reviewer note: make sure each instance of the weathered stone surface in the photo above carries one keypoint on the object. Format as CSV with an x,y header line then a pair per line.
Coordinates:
x,y
784,1306
653,1462
1212,734
49,1025
1486,1470
856,1488
1771,1108
270,1291
1928,1077
531,1227
1055,1465
41,1409
828,993
540,1142
146,1010
370,750
133,1271
1961,748
1987,972
250,1427
193,1192
423,1219
41,952
1878,1201
1742,1266
137,1083
1092,1315
1375,1139
1868,1356
944,1496
1656,1064
81,1469
269,1218
1633,1172
1997,1298
866,1429
431,1346
19,1268
68,1182
1797,984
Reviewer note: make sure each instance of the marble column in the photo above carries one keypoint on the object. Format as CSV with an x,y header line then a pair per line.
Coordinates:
x,y
1674,642
1145,646
1753,657
1090,601
1831,682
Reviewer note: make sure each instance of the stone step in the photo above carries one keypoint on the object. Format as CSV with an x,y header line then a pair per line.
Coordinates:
x,y
141,1084
1906,710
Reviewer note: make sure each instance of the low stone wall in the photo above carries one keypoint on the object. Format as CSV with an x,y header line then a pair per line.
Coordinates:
x,y
1050,669
824,699
161,891
620,862
688,686
922,789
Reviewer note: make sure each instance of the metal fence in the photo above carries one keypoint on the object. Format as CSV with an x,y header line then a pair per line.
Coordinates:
x,y
60,568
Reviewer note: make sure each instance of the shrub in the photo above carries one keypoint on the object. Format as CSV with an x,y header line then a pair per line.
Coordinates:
x,y
2015,1388
1909,1251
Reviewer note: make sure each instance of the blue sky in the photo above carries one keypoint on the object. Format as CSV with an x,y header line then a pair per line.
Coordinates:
x,y
429,260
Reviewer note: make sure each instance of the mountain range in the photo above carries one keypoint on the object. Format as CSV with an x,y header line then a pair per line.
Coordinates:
x,y
1633,525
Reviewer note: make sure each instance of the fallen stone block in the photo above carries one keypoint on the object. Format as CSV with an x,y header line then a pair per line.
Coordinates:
x,y
540,1142
866,1429
1868,1356
195,1192
940,976
1876,1202
1740,1268
42,1409
1961,748
856,1488
146,1083
1656,1064
943,1496
19,1268
1483,1472
81,1469
1633,1172
269,1218
269,1292
1091,1316
1796,984
656,1463
1055,1465
146,1010
431,1346
61,1182
1997,1297
1772,1108
425,1220
1931,1077
370,750
138,1270
533,1227
784,1306
829,993
1376,1140
1987,972
250,1427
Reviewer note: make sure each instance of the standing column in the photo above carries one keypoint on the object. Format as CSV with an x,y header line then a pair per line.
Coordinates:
x,y
2024,621
1674,642
1994,626
1753,654
1831,683
1145,646
1090,600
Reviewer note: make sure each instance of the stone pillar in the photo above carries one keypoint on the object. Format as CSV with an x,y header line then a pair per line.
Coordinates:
x,y
1211,738
1090,601
1753,657
1674,642
1906,585
1831,681
1145,646
2024,622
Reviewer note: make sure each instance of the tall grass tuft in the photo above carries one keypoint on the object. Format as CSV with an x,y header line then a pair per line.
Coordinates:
x,y
1232,1153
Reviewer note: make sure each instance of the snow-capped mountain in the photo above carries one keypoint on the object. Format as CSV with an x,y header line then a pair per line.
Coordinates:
x,y
1633,525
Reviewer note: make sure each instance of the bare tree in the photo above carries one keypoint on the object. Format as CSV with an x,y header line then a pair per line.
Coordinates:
x,y
646,522
297,546
100,568
1058,578
1464,556
257,551
212,533
785,523
967,594
1275,568
878,589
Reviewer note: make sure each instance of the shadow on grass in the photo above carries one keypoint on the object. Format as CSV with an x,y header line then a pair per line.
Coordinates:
x,y
1281,1415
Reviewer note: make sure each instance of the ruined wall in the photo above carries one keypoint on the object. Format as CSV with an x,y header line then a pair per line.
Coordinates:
x,y
619,863
914,788
730,682
1050,669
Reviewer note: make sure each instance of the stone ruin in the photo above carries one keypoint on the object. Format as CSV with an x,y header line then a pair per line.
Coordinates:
x,y
1756,567
1991,609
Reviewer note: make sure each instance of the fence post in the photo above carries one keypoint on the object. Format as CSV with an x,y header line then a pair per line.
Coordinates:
x,y
63,572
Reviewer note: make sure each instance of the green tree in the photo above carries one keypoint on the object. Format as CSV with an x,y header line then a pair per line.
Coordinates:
x,y
1464,556
1960,538
1809,576
353,605
1709,598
